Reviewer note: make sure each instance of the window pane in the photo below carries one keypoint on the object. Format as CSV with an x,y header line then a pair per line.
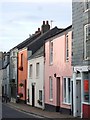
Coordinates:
x,y
30,71
51,52
51,88
40,95
37,69
22,60
67,48
68,90
64,89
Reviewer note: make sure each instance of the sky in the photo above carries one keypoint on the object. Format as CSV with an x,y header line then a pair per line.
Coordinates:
x,y
20,18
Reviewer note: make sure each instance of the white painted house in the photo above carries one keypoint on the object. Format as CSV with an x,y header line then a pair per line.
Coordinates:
x,y
35,82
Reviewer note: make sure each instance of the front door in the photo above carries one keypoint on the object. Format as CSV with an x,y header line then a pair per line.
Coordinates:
x,y
58,94
78,97
33,90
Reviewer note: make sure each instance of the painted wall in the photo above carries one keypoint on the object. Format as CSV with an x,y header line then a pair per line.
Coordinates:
x,y
22,74
38,82
59,66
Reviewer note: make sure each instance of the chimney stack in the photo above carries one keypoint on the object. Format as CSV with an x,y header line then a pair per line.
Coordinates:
x,y
45,27
37,31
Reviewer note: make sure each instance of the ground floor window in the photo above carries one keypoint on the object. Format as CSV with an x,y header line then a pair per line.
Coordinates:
x,y
40,95
28,96
66,90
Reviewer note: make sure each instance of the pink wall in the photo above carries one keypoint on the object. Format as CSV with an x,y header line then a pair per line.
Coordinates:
x,y
59,66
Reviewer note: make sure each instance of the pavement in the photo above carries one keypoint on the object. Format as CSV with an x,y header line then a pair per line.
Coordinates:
x,y
37,111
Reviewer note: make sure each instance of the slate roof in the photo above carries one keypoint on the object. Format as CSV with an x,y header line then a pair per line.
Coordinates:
x,y
38,53
37,43
27,41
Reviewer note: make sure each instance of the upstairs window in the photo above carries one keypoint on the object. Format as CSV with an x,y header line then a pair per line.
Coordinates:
x,y
37,69
87,41
51,52
22,60
30,71
86,4
67,48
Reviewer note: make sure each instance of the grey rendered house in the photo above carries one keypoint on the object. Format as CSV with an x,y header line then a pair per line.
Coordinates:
x,y
13,74
1,72
5,81
81,58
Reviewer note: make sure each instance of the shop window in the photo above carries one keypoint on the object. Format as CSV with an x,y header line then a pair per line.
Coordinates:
x,y
86,90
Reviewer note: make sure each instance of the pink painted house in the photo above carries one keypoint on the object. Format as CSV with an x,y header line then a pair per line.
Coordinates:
x,y
58,72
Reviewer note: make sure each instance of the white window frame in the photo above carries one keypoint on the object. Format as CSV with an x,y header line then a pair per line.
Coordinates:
x,y
67,47
51,52
85,40
66,99
30,70
37,69
50,88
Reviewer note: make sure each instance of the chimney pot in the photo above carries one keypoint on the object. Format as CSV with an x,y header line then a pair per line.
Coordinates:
x,y
47,22
38,29
43,22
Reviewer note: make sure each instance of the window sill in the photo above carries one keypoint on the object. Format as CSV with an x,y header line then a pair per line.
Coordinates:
x,y
86,59
50,64
66,103
86,103
51,100
87,10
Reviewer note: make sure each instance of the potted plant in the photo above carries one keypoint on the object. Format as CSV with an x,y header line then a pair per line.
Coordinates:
x,y
40,102
20,95
21,84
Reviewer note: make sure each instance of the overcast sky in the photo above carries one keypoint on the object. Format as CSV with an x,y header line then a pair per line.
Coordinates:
x,y
20,18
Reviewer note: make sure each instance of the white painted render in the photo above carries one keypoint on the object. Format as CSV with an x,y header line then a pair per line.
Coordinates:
x,y
38,82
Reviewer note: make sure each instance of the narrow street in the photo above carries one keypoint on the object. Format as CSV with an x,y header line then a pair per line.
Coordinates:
x,y
8,112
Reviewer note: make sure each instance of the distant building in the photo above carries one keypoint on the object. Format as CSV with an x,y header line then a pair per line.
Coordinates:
x,y
5,81
13,74
1,72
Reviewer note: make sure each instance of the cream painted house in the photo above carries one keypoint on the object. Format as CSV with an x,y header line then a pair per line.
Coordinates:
x,y
35,82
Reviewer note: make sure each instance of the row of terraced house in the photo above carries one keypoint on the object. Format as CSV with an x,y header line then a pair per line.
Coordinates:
x,y
51,69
